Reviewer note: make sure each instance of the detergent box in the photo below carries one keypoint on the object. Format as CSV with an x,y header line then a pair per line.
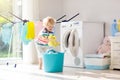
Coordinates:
x,y
53,61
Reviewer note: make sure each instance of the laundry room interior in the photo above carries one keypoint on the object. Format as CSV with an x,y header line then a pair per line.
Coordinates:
x,y
59,40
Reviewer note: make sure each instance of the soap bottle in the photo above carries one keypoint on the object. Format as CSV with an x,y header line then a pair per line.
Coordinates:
x,y
118,25
114,28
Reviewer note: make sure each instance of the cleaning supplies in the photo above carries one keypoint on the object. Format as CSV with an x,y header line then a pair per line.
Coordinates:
x,y
114,28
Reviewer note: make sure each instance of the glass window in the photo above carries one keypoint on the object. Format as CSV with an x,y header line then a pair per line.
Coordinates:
x,y
10,43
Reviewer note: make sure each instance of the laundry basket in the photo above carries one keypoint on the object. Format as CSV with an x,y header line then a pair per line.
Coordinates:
x,y
53,61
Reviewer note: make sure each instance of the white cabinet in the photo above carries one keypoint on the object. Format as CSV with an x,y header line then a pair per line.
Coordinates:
x,y
115,52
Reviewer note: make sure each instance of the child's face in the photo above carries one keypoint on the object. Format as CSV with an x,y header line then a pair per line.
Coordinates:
x,y
49,28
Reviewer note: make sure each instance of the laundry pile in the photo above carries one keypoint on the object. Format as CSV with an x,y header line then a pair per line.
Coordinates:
x,y
105,47
53,61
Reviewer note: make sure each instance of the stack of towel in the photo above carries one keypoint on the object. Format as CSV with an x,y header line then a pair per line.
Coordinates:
x,y
97,61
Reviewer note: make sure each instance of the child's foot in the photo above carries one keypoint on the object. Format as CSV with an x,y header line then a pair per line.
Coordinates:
x,y
40,68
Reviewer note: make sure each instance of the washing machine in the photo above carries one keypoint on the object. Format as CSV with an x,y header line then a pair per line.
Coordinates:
x,y
78,38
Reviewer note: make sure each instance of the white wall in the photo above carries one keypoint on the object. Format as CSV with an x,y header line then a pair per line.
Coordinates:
x,y
30,9
93,10
39,9
50,8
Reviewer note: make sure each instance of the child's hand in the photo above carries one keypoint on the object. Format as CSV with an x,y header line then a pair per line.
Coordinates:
x,y
43,39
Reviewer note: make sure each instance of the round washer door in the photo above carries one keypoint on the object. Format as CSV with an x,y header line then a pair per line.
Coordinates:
x,y
74,43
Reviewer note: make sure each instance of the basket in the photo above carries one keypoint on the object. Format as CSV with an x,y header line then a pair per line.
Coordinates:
x,y
53,61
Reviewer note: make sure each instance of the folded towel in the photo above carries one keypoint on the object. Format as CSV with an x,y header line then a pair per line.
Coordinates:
x,y
97,55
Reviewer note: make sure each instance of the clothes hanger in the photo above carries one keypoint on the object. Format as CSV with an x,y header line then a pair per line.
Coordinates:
x,y
61,17
10,40
8,19
69,19
28,20
24,21
73,17
58,19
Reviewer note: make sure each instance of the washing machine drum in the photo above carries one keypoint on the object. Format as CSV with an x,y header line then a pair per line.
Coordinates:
x,y
71,41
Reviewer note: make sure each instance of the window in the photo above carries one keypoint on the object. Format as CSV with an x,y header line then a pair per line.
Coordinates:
x,y
10,43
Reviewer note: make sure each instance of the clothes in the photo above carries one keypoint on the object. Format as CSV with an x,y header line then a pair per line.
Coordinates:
x,y
38,27
6,32
23,34
20,26
17,37
30,31
44,33
52,41
2,45
41,50
105,47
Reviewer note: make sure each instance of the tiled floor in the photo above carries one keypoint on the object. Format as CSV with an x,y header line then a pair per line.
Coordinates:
x,y
31,72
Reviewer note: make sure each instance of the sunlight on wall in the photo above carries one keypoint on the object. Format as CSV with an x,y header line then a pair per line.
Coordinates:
x,y
5,6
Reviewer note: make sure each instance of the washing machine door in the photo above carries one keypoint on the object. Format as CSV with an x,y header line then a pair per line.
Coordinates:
x,y
66,39
73,43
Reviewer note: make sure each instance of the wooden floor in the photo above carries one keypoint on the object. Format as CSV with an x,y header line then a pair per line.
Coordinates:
x,y
31,72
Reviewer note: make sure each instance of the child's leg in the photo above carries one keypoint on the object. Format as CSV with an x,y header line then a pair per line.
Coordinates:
x,y
43,50
39,49
40,62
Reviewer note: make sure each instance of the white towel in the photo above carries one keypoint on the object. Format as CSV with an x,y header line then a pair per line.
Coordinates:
x,y
97,55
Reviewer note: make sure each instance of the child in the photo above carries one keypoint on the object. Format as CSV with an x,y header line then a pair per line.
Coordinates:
x,y
42,40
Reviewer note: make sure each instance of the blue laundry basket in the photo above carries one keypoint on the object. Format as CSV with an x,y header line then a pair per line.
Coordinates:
x,y
53,61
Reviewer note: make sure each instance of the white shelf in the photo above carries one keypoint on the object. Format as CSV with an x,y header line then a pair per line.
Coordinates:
x,y
115,53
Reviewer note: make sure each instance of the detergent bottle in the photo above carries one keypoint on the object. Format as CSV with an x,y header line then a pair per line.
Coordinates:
x,y
118,25
114,28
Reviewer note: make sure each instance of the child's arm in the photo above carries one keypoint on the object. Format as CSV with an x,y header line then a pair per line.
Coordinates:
x,y
43,38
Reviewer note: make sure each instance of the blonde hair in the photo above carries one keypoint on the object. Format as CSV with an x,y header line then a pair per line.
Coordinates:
x,y
48,21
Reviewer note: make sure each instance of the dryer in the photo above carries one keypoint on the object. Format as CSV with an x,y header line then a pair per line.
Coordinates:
x,y
78,38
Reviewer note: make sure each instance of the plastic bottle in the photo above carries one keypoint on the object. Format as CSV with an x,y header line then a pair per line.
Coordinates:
x,y
118,25
114,27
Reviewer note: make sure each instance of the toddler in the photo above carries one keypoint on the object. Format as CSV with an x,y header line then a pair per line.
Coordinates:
x,y
42,39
